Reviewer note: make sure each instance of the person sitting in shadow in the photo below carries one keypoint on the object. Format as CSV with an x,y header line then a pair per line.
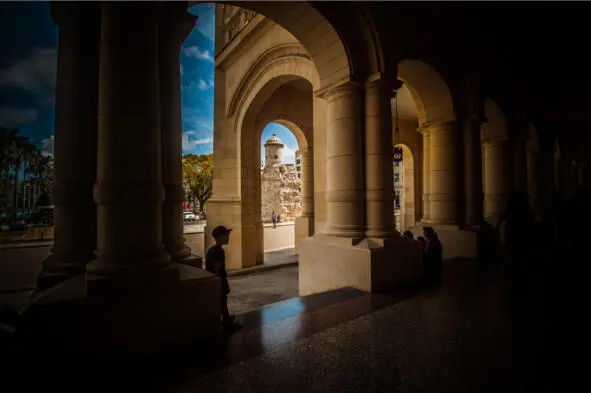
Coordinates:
x,y
433,256
407,235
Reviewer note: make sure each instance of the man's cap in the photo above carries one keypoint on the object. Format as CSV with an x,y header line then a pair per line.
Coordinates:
x,y
220,230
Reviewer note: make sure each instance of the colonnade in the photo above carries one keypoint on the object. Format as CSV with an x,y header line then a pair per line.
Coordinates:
x,y
118,193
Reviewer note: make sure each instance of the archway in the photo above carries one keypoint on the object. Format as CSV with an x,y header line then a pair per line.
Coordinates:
x,y
495,162
286,100
281,186
404,189
428,97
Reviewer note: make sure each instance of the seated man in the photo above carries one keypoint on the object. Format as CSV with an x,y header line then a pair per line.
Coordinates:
x,y
215,262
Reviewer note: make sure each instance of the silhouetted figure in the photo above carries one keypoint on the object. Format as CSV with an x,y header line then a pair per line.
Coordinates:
x,y
408,235
433,256
215,262
278,217
274,219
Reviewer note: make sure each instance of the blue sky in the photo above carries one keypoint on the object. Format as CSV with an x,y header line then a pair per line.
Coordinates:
x,y
28,68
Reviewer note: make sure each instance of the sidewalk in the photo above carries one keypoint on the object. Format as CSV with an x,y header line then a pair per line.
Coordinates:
x,y
273,260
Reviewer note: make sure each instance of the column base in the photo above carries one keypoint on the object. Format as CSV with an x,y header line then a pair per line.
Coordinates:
x,y
304,227
193,260
180,252
118,321
371,265
457,243
56,270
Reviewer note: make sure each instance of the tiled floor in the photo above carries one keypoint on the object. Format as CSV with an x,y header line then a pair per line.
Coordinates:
x,y
470,333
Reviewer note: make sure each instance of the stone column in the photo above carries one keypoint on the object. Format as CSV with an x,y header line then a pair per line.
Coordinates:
x,y
75,141
495,185
304,224
425,172
307,164
129,191
344,162
519,168
379,187
443,173
533,178
473,171
176,24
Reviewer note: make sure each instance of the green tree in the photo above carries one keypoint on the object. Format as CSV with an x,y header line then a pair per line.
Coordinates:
x,y
198,178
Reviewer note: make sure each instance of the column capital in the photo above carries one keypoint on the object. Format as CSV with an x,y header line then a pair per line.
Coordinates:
x,y
379,81
338,89
439,124
423,130
176,23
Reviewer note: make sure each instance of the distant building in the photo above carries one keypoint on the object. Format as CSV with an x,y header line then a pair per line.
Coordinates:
x,y
298,164
280,186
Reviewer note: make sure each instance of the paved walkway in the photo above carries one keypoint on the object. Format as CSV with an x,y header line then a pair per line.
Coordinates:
x,y
19,268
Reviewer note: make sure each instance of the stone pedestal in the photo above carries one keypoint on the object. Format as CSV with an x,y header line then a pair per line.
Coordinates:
x,y
118,321
371,265
304,227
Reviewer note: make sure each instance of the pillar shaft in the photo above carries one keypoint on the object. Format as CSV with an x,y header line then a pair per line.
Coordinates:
x,y
344,162
443,174
378,159
426,172
474,197
307,162
176,24
75,138
129,191
495,184
519,165
533,179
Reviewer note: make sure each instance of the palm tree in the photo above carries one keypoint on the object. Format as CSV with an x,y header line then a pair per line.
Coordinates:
x,y
18,151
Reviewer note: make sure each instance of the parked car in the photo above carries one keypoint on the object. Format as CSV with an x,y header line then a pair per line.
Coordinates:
x,y
189,215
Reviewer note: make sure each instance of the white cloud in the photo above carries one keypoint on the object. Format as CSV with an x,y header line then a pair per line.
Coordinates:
x,y
190,142
194,51
12,117
288,155
47,146
203,85
34,73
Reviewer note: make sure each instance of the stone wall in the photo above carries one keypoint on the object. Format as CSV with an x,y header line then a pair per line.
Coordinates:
x,y
280,192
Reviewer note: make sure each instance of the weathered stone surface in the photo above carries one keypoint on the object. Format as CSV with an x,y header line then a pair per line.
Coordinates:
x,y
281,190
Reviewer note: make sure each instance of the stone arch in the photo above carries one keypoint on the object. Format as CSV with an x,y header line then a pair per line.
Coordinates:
x,y
429,90
496,124
275,68
314,31
263,105
410,194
